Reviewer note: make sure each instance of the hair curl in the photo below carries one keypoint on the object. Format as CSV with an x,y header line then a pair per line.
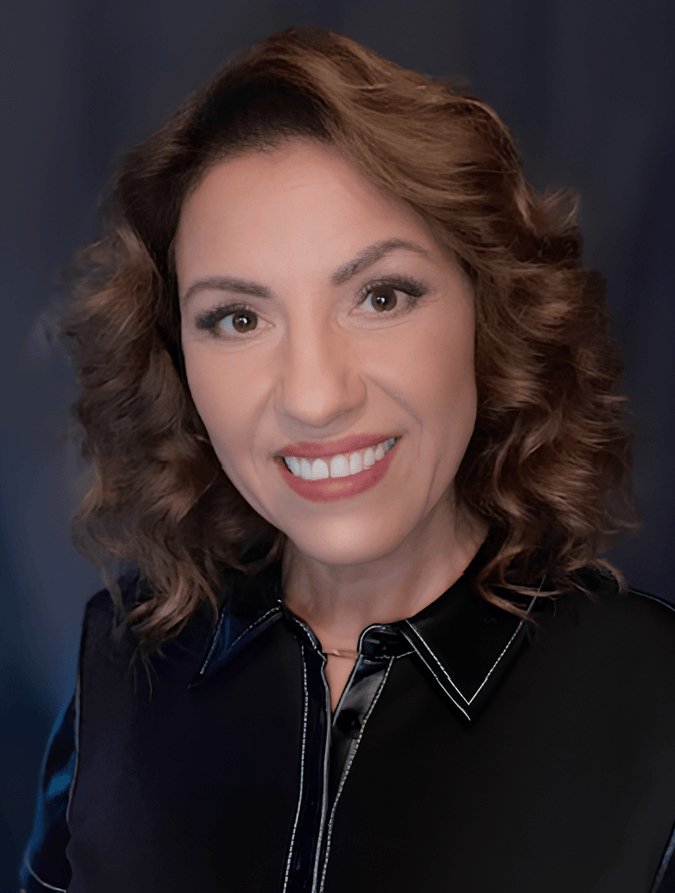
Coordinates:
x,y
548,466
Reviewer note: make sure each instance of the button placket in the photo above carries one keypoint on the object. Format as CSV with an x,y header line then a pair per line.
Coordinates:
x,y
327,757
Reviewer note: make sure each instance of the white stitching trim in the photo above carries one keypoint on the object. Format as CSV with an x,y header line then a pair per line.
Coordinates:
x,y
653,598
670,849
357,664
215,639
253,625
306,629
428,650
291,846
467,701
78,719
435,675
326,760
44,883
345,772
504,650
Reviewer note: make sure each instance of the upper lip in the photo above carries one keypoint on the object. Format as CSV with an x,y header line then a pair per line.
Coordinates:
x,y
335,447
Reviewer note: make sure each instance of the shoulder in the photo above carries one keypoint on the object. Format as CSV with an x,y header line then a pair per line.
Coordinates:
x,y
132,590
598,594
111,652
641,610
105,633
631,631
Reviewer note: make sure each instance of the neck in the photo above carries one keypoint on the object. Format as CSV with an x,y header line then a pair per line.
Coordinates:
x,y
339,601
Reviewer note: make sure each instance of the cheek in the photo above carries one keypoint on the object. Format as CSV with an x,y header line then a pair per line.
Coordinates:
x,y
213,396
444,370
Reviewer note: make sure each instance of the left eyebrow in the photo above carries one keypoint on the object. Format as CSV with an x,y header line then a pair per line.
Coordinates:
x,y
371,255
361,262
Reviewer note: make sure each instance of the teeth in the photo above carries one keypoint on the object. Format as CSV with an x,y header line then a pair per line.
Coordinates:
x,y
319,469
338,466
293,465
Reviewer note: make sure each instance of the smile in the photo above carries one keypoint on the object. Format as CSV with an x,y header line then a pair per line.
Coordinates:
x,y
339,466
348,482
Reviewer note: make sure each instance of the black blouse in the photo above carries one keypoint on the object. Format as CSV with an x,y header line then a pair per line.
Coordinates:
x,y
469,751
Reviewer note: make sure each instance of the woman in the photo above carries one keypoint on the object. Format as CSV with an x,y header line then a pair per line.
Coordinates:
x,y
350,401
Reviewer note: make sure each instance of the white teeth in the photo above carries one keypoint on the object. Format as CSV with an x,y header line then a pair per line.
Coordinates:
x,y
294,465
355,463
319,470
340,465
369,457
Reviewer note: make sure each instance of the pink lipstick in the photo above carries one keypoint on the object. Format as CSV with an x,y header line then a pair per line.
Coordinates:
x,y
330,489
345,446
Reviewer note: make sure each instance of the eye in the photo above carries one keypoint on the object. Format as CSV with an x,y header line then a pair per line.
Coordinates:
x,y
228,321
243,321
383,297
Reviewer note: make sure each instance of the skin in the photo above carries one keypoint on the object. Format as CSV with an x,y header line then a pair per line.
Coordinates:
x,y
322,364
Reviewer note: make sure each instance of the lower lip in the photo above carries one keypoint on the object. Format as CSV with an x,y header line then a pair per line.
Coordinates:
x,y
330,489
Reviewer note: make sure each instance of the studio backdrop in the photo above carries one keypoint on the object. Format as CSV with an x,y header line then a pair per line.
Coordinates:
x,y
587,87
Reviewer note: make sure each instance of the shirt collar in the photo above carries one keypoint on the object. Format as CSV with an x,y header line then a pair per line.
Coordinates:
x,y
251,603
464,644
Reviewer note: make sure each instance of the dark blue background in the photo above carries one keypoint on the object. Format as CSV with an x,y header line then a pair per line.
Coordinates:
x,y
587,86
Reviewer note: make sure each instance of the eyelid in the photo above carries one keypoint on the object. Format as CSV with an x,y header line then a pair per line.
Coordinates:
x,y
413,288
209,319
406,284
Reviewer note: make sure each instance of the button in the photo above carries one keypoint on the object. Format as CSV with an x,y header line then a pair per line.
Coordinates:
x,y
349,723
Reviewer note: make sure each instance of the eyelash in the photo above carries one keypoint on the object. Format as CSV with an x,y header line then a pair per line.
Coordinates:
x,y
413,289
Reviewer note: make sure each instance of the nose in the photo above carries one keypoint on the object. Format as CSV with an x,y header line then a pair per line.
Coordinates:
x,y
320,381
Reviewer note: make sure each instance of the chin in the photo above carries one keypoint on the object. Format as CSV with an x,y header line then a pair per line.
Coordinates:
x,y
344,544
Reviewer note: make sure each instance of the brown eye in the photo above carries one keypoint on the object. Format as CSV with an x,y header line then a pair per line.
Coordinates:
x,y
383,297
242,321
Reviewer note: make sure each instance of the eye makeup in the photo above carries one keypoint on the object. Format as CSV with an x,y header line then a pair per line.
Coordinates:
x,y
413,290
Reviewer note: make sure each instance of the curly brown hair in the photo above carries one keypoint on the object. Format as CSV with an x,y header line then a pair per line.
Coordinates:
x,y
548,466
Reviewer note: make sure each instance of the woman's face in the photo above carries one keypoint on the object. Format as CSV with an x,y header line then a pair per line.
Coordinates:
x,y
351,322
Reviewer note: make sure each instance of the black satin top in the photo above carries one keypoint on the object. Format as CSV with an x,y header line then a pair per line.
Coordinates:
x,y
469,751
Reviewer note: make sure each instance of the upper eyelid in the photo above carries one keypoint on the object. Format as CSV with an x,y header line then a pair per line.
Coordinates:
x,y
409,285
399,283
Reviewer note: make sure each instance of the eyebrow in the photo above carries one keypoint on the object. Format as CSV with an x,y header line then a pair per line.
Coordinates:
x,y
371,255
361,262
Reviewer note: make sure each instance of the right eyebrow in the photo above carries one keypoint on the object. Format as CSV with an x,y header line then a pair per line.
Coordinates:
x,y
228,283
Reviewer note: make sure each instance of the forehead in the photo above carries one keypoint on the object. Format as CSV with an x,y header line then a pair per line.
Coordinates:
x,y
304,201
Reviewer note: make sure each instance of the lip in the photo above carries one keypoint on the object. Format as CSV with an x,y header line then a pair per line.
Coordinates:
x,y
329,489
335,448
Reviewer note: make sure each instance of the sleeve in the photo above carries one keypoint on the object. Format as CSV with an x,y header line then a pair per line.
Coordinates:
x,y
665,879
45,865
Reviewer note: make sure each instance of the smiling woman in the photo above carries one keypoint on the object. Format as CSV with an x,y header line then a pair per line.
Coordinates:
x,y
350,400
313,361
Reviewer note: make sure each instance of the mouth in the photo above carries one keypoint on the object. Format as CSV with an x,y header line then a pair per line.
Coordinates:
x,y
341,465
